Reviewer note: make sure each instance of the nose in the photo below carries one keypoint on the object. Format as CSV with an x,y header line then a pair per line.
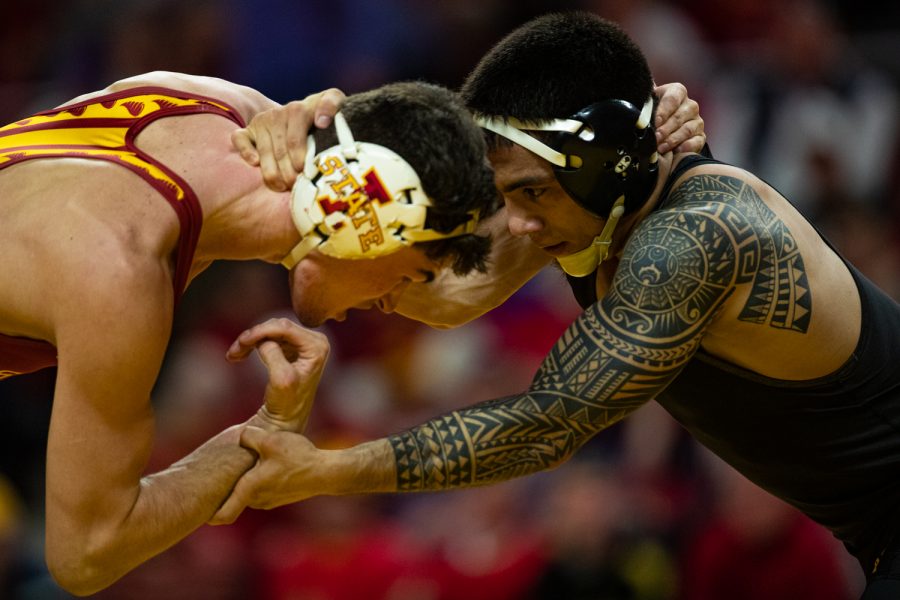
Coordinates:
x,y
388,303
520,222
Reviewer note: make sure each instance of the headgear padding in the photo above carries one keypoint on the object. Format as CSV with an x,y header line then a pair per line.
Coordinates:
x,y
360,200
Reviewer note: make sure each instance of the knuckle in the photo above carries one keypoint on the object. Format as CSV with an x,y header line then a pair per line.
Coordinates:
x,y
323,348
334,94
252,499
296,108
269,174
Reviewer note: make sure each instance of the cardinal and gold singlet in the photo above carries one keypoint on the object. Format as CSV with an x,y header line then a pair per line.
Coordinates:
x,y
105,128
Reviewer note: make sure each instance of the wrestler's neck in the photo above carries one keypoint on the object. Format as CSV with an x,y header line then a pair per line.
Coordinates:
x,y
253,224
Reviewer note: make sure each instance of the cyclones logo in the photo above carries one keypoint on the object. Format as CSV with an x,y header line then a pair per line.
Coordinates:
x,y
354,199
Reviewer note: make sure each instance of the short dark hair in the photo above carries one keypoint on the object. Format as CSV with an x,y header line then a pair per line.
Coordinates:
x,y
430,127
555,65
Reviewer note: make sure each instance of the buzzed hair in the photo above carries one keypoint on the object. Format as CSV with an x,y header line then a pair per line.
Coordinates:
x,y
555,65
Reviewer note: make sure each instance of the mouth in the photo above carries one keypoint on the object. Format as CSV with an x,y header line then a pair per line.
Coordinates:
x,y
555,249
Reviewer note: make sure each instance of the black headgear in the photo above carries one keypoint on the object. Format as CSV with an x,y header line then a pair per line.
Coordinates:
x,y
599,154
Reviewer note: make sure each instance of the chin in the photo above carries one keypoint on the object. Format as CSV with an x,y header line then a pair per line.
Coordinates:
x,y
313,323
309,318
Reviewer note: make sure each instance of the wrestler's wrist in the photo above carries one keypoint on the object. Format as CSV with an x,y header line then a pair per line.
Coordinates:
x,y
364,469
266,420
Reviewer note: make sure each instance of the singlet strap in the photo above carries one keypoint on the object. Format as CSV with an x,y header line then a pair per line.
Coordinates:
x,y
687,163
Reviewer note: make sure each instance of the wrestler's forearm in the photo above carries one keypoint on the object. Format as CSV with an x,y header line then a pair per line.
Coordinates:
x,y
168,506
364,469
457,450
485,444
589,381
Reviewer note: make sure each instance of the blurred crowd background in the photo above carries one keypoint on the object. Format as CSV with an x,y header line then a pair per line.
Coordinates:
x,y
803,92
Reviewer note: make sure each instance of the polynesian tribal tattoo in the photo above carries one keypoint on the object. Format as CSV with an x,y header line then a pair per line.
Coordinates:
x,y
680,265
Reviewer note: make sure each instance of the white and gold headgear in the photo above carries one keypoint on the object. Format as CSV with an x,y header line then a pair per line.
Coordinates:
x,y
360,200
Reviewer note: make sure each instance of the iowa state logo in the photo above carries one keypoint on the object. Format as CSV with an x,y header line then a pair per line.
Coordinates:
x,y
354,199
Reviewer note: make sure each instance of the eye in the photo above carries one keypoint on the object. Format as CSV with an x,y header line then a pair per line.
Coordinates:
x,y
533,193
421,276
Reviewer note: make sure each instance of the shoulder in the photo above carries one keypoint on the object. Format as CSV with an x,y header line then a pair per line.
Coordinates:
x,y
715,200
692,251
719,226
717,187
246,100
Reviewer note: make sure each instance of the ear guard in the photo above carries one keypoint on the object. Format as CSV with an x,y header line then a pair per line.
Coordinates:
x,y
604,157
360,200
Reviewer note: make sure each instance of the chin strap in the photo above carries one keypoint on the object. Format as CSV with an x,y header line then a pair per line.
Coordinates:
x,y
583,262
309,237
309,242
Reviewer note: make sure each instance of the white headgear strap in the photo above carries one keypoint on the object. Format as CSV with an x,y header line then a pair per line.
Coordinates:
x,y
360,200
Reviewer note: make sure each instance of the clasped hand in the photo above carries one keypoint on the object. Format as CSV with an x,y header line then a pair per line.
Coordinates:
x,y
295,358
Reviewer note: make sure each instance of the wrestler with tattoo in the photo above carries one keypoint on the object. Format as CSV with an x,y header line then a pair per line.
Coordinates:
x,y
703,289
